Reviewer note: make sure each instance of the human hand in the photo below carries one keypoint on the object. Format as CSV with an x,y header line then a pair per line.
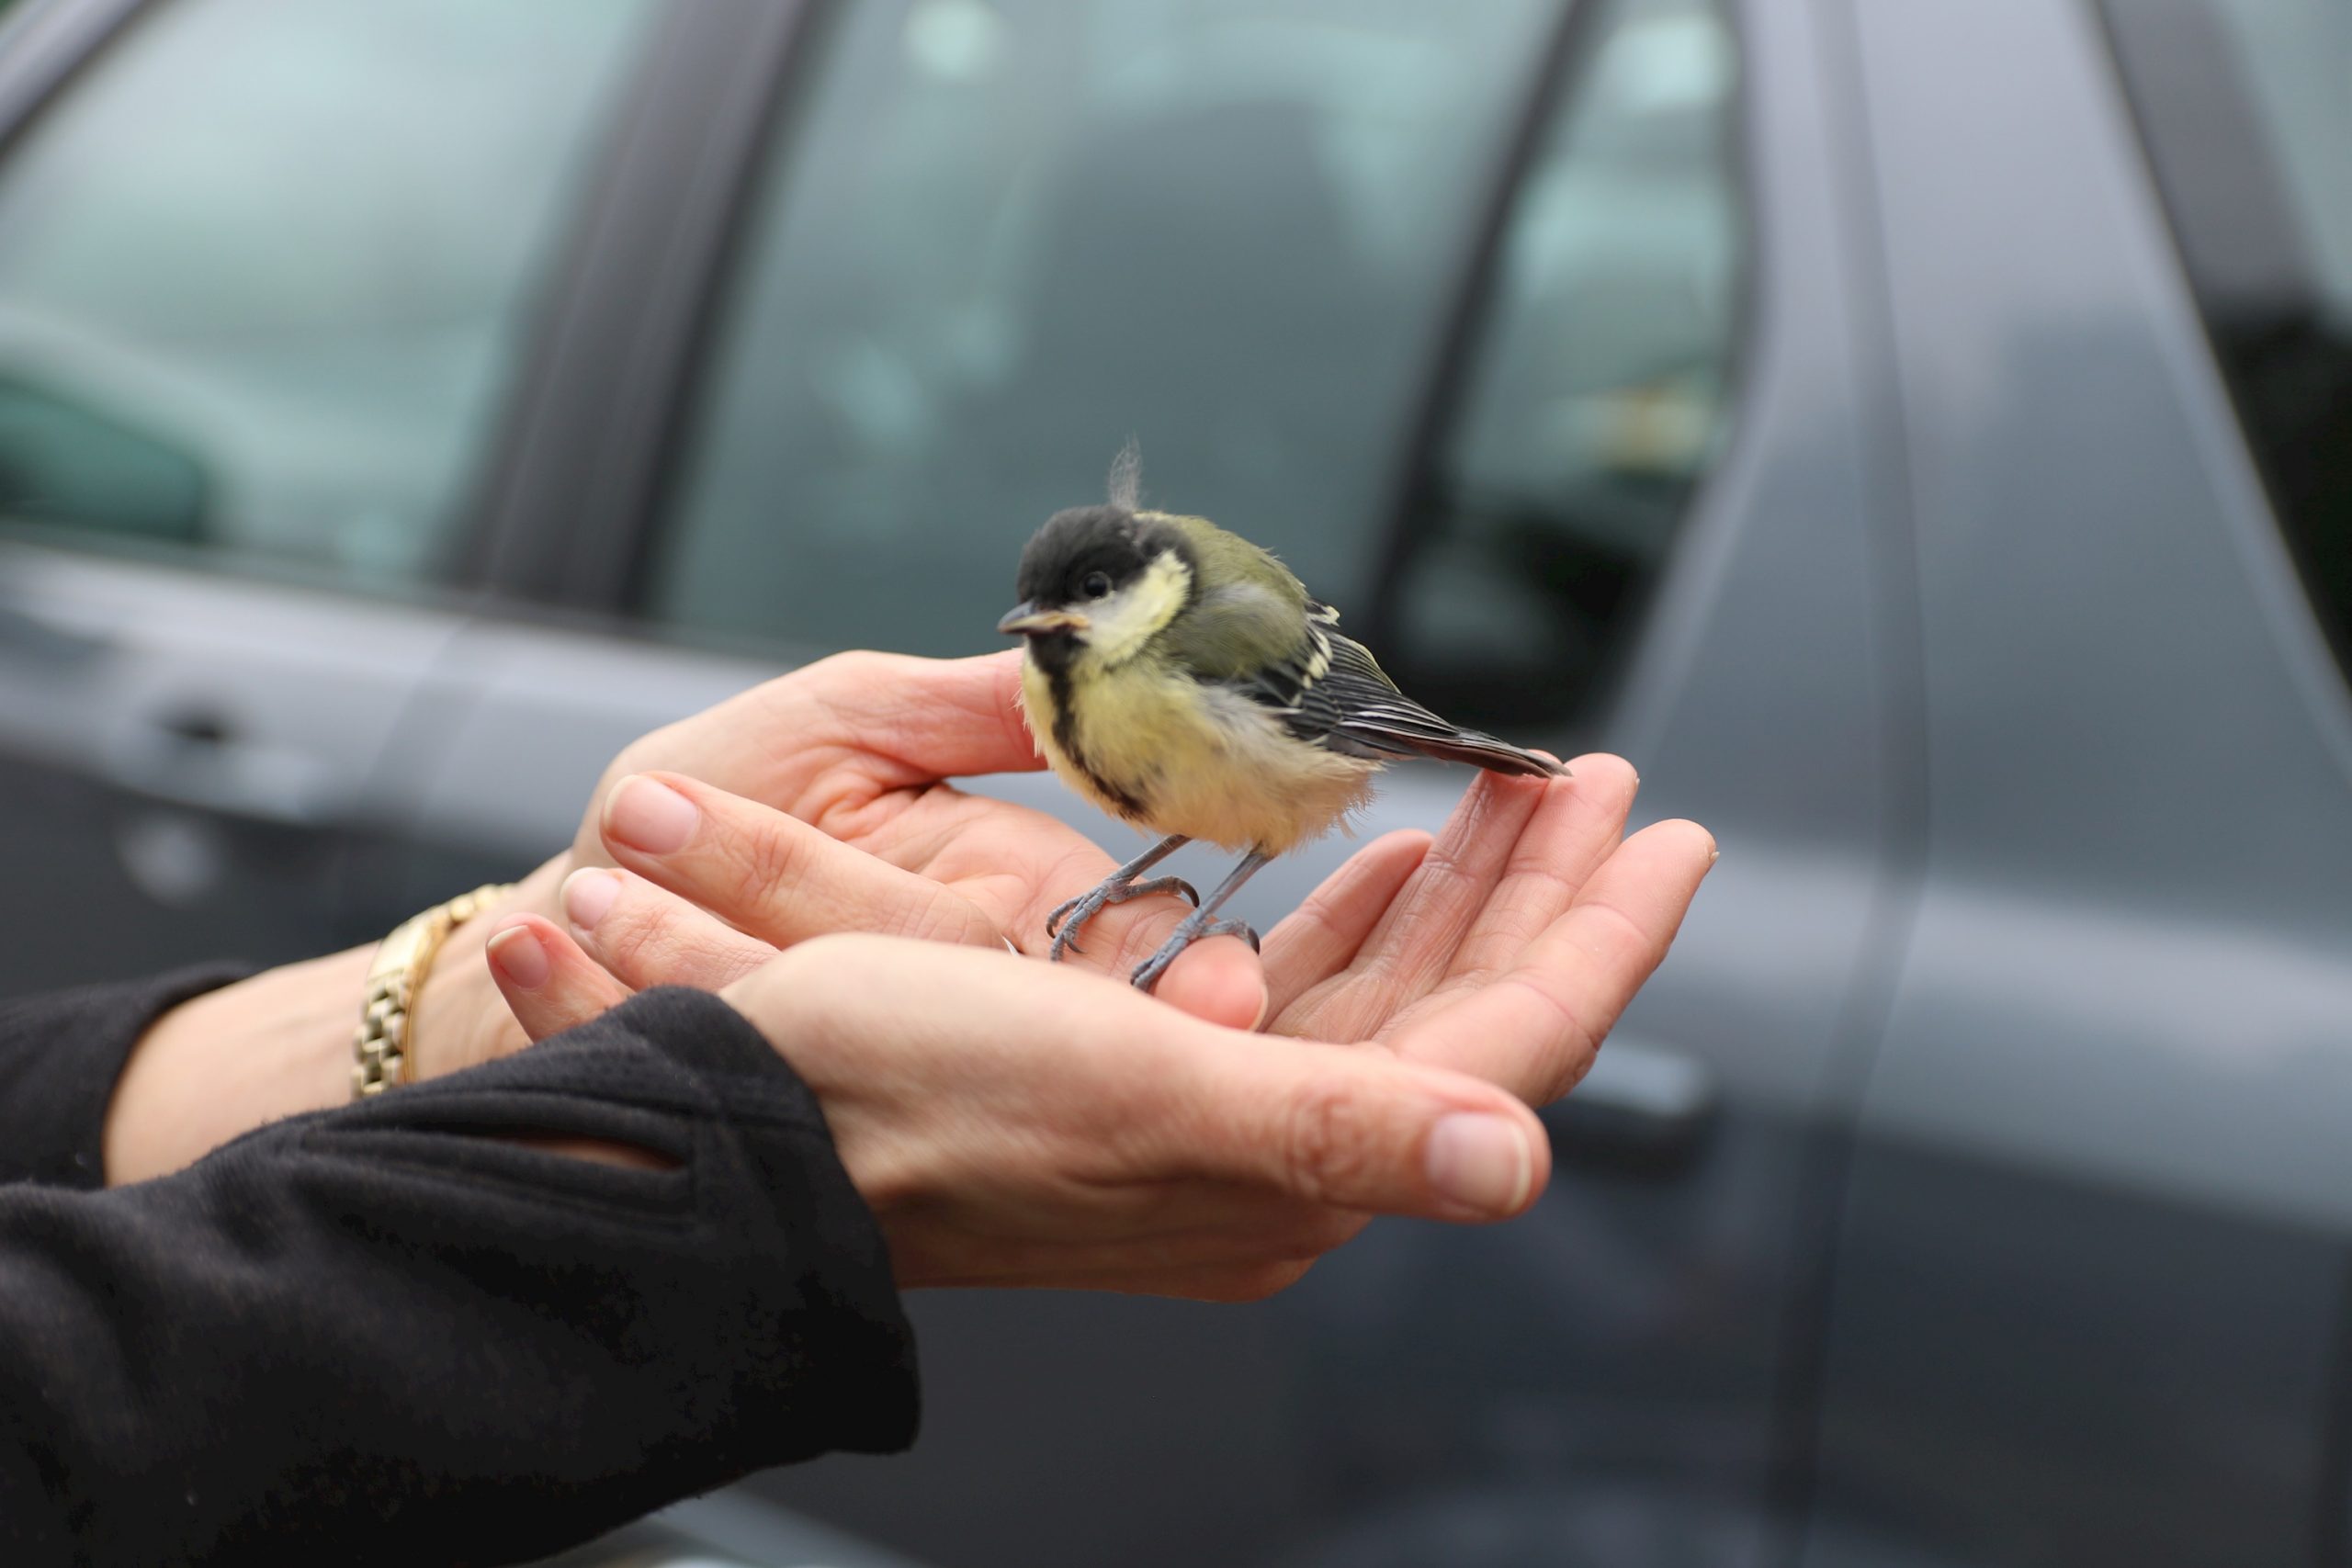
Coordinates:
x,y
858,748
1529,911
1528,924
855,751
1013,1123
1505,947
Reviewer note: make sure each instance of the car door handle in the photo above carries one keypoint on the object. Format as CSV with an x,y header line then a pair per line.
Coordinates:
x,y
199,759
1644,1109
29,635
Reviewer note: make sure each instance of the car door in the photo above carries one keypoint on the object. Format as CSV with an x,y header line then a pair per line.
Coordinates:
x,y
1529,337
2091,1289
266,274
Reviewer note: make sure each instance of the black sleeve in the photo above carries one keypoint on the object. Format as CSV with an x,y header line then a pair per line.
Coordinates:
x,y
59,1055
400,1332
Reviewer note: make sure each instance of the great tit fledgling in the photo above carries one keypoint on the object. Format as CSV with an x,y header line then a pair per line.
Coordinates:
x,y
1179,677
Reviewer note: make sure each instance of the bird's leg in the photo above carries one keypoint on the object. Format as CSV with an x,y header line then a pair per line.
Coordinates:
x,y
1063,924
1202,922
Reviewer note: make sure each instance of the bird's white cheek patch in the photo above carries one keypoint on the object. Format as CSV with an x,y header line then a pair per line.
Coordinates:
x,y
1123,623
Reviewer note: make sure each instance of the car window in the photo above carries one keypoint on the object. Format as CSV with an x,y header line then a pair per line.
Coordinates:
x,y
999,237
2245,109
266,266
1599,393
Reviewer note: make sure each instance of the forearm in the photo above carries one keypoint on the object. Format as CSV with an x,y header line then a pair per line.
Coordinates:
x,y
413,1323
280,1044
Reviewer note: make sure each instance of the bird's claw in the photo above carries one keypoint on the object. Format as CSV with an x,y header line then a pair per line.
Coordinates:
x,y
1088,905
1180,939
1067,941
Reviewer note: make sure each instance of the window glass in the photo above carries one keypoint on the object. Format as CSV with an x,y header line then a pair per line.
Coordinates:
x,y
267,267
1600,393
1002,236
2246,108
1006,235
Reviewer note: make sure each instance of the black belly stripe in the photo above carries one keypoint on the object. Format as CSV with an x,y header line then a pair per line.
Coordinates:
x,y
1130,805
1057,682
1065,720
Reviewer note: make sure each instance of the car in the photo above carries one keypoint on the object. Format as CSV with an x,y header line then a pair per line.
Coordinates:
x,y
1919,436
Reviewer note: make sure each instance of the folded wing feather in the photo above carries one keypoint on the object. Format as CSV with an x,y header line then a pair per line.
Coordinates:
x,y
1333,694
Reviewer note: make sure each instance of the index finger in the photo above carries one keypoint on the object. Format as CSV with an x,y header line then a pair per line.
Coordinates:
x,y
912,720
832,737
1536,1028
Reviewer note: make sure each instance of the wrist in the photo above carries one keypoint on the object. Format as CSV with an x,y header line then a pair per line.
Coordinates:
x,y
223,1064
281,1043
460,1020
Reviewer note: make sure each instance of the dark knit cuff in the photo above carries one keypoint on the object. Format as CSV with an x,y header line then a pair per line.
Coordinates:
x,y
60,1056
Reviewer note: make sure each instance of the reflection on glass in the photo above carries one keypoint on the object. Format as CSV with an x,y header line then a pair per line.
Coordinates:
x,y
285,252
1601,391
1004,235
2246,110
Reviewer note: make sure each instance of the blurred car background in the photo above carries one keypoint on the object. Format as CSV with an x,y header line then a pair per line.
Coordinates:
x,y
1919,436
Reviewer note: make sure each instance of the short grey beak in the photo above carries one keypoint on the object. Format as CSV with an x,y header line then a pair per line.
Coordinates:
x,y
1023,619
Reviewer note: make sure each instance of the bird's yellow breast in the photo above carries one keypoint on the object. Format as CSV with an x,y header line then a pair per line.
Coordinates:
x,y
1146,743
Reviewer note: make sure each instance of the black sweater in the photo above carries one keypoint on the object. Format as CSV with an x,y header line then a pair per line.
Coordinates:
x,y
393,1333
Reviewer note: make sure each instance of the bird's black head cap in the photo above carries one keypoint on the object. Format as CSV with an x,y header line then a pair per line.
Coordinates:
x,y
1086,549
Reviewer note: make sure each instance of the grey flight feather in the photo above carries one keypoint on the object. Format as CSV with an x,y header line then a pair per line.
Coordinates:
x,y
1333,694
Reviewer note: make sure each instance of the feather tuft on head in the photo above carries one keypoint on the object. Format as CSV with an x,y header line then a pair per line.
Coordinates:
x,y
1127,477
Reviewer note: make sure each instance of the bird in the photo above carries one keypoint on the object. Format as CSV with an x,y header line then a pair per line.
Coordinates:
x,y
1182,678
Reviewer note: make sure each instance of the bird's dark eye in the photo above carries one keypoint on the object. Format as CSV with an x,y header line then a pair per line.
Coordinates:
x,y
1097,584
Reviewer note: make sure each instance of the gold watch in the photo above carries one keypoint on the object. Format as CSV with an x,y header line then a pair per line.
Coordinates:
x,y
381,1041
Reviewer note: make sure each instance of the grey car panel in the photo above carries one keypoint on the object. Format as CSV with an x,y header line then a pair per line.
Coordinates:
x,y
192,760
2089,1296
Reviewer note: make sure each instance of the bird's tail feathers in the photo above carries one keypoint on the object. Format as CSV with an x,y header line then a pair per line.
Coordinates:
x,y
1404,727
1495,756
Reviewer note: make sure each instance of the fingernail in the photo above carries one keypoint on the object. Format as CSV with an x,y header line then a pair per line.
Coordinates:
x,y
519,959
587,895
1481,1162
648,816
1265,1005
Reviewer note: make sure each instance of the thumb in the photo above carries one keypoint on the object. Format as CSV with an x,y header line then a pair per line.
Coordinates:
x,y
1347,1127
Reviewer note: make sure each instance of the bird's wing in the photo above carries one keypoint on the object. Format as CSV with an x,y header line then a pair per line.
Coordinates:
x,y
1333,694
